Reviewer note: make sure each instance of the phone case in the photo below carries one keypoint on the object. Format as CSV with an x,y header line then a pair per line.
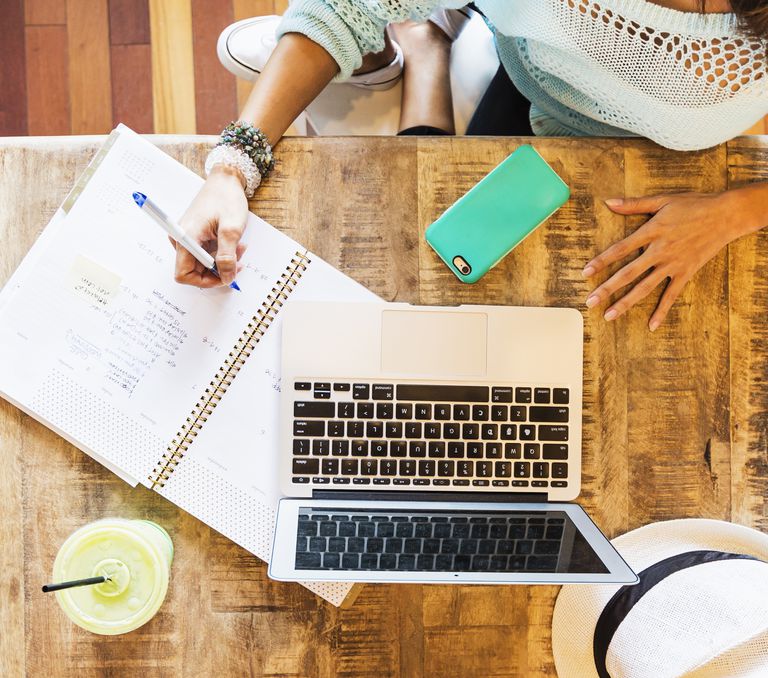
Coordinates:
x,y
496,214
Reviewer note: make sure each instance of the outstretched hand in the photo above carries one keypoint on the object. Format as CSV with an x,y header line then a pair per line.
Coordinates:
x,y
684,233
216,218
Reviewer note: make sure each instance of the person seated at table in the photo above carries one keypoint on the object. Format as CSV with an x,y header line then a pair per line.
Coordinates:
x,y
688,74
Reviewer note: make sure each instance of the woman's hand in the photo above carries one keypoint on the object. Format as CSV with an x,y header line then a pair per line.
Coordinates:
x,y
684,233
216,219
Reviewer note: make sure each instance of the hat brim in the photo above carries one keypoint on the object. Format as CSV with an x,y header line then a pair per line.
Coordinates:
x,y
579,606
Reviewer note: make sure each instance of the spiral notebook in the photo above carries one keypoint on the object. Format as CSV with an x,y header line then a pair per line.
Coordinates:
x,y
167,385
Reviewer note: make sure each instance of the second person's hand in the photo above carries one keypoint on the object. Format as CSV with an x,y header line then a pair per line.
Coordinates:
x,y
216,219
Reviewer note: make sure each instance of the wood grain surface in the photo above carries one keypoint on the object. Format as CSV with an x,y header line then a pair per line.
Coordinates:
x,y
674,422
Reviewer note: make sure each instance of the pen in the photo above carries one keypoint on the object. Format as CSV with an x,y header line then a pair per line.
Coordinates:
x,y
176,232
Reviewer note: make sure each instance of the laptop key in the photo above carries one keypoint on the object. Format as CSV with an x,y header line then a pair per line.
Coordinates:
x,y
445,468
361,391
341,387
339,448
431,430
365,410
378,448
555,483
465,469
470,431
346,410
302,386
413,430
512,451
361,481
303,427
404,530
559,470
321,448
474,450
451,431
436,449
404,411
542,395
330,466
423,411
499,413
385,411
398,448
560,396
383,392
427,468
369,467
374,429
407,467
307,561
480,413
305,466
355,429
518,413
501,394
548,414
503,469
369,561
523,394
552,451
509,432
387,561
484,469
417,448
522,469
490,431
442,412
461,412
493,450
394,429
531,451
359,448
541,469
425,563
349,467
527,432
455,450
301,446
553,432
350,561
310,409
336,429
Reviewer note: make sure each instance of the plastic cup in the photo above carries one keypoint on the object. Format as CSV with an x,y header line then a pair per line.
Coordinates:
x,y
136,555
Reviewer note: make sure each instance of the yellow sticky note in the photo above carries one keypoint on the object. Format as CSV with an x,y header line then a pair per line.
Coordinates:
x,y
93,282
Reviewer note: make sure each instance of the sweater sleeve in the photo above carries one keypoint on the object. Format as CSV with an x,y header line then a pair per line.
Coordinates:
x,y
348,29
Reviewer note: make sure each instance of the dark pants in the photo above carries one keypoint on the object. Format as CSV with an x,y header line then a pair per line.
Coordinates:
x,y
502,111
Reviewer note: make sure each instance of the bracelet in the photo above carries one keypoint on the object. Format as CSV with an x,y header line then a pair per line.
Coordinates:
x,y
252,141
234,157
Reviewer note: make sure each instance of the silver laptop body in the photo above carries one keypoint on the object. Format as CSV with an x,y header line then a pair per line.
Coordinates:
x,y
434,444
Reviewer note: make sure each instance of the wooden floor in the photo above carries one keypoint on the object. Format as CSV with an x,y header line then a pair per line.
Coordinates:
x,y
82,66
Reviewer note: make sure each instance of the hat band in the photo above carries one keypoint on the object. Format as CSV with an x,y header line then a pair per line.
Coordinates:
x,y
624,599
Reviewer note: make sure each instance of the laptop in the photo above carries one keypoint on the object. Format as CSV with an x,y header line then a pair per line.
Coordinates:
x,y
434,444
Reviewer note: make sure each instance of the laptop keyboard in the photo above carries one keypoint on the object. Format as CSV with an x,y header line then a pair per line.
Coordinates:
x,y
515,542
430,435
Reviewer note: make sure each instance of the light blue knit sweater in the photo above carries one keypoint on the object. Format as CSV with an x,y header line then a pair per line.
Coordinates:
x,y
607,68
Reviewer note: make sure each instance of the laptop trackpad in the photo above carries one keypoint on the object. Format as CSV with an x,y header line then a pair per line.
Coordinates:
x,y
440,344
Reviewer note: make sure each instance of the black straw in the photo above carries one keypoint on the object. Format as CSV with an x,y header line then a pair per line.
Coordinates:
x,y
71,584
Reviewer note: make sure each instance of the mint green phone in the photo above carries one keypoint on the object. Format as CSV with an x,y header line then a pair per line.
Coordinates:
x,y
494,216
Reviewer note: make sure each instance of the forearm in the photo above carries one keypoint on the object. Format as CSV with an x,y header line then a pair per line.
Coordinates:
x,y
749,207
295,74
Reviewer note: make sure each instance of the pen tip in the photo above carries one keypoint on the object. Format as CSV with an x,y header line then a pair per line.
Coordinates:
x,y
140,198
235,286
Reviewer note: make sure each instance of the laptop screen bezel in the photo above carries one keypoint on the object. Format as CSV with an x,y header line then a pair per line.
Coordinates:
x,y
282,564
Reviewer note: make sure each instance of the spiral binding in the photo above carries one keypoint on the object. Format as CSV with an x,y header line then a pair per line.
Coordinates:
x,y
226,374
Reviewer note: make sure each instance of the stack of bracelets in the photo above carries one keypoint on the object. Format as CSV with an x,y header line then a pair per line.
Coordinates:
x,y
245,148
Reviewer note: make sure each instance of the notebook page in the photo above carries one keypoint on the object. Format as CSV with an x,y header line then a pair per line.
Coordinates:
x,y
228,477
97,339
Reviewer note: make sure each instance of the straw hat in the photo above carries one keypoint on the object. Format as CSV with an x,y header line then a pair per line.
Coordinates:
x,y
699,611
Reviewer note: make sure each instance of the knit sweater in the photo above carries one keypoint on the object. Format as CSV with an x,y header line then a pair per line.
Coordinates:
x,y
598,68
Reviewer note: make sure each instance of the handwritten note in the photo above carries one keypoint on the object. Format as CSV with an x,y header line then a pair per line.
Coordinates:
x,y
93,282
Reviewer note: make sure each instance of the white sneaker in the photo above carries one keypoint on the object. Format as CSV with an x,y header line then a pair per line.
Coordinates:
x,y
245,46
451,21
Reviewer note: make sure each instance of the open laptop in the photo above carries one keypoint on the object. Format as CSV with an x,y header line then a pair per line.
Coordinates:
x,y
434,444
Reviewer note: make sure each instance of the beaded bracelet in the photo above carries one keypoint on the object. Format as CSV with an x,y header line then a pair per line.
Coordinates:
x,y
252,141
245,148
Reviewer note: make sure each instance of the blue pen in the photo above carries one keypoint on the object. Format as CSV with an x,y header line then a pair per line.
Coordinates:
x,y
176,232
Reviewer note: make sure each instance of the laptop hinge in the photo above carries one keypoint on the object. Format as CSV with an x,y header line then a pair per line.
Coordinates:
x,y
465,497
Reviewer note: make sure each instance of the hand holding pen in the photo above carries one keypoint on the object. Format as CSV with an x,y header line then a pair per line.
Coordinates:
x,y
194,265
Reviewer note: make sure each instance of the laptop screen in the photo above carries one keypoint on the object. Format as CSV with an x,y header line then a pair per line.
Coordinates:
x,y
403,540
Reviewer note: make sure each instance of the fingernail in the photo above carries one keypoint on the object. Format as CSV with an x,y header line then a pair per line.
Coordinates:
x,y
592,300
614,202
588,271
653,325
611,315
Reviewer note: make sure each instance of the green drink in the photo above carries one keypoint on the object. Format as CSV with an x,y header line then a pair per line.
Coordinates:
x,y
135,556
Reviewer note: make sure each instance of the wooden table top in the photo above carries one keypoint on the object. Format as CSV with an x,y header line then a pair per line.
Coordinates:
x,y
675,422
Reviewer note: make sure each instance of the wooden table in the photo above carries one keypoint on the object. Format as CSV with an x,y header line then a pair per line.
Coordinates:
x,y
674,422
